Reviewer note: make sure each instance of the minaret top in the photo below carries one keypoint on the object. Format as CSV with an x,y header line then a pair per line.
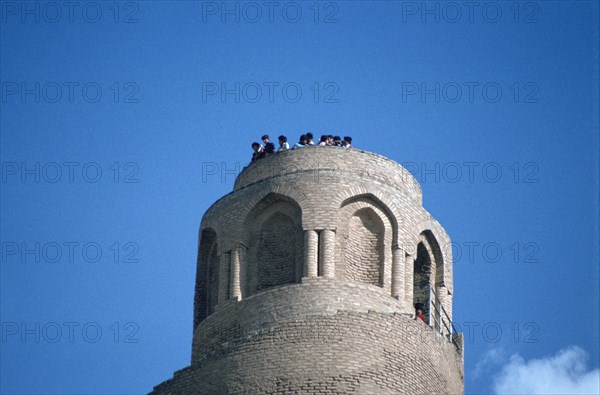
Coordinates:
x,y
331,164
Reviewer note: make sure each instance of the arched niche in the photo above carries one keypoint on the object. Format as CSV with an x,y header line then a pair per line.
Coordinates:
x,y
428,275
274,242
364,240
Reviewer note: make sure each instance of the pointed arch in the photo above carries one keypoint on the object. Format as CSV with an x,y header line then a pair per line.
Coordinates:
x,y
422,277
382,201
428,273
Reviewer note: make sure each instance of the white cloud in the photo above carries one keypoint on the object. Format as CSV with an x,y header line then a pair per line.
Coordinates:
x,y
494,356
564,373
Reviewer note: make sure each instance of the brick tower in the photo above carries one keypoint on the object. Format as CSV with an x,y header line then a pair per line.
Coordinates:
x,y
306,280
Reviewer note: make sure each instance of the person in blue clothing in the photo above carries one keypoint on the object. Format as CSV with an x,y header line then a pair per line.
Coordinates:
x,y
303,141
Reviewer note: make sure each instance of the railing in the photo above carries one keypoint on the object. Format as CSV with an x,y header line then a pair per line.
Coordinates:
x,y
439,319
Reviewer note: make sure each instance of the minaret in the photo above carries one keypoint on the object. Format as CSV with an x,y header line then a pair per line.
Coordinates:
x,y
307,278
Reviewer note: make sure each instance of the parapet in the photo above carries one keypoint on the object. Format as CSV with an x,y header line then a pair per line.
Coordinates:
x,y
333,164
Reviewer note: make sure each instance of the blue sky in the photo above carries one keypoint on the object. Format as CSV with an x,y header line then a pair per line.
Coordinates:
x,y
122,122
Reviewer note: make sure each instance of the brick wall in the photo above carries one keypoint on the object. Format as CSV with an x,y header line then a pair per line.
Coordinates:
x,y
318,337
364,249
276,256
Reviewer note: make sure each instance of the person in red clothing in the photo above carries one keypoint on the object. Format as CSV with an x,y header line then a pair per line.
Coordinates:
x,y
419,312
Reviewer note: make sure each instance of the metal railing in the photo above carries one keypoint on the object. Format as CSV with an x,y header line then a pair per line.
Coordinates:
x,y
439,319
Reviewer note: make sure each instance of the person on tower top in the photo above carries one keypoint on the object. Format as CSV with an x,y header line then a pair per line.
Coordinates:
x,y
258,152
303,141
269,149
283,144
265,139
347,143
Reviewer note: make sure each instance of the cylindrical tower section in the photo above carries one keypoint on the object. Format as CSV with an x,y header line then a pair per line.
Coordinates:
x,y
323,252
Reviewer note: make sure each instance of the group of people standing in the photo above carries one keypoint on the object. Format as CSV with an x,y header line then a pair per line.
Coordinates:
x,y
268,148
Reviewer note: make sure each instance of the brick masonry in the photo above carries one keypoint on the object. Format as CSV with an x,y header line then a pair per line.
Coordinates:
x,y
318,256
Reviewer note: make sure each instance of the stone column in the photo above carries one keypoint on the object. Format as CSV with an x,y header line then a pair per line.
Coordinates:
x,y
408,283
224,262
398,259
235,290
311,252
328,253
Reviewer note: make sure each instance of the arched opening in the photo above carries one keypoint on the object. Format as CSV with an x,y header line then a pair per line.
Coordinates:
x,y
206,284
421,279
213,279
428,279
364,250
